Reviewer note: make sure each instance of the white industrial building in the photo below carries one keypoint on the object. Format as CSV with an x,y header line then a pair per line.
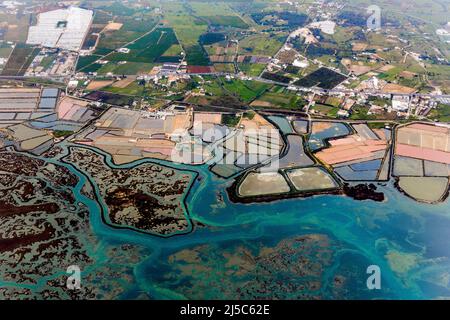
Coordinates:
x,y
62,28
400,103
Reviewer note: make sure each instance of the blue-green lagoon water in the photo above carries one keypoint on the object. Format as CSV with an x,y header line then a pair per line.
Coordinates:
x,y
301,248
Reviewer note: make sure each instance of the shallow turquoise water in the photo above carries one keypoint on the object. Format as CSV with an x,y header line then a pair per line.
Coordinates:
x,y
414,236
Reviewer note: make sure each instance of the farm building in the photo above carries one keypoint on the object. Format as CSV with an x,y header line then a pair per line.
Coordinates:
x,y
62,28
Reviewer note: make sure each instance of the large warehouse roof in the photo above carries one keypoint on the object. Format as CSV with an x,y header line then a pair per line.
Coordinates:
x,y
62,28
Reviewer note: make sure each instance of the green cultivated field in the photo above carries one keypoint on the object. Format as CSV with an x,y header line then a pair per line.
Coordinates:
x,y
85,61
5,50
188,30
196,55
149,48
329,111
224,67
252,69
131,30
94,67
129,68
227,21
133,89
218,14
245,90
174,50
20,60
263,44
279,97
441,113
190,20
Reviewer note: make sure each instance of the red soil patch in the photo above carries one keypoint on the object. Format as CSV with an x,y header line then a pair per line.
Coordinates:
x,y
200,69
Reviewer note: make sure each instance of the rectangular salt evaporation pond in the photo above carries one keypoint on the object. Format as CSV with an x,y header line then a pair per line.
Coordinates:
x,y
311,179
33,143
18,94
23,116
404,166
249,160
225,170
256,184
19,105
22,132
209,132
322,131
348,174
50,92
47,104
81,114
282,123
436,169
364,131
296,155
300,126
49,118
125,121
408,137
7,115
360,171
367,165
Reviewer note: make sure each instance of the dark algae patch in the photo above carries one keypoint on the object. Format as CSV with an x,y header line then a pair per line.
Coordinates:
x,y
363,192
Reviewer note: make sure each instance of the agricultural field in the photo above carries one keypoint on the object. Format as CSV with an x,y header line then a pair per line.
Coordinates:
x,y
172,54
229,92
441,113
133,88
284,19
251,69
225,150
224,67
210,38
218,14
325,110
279,97
15,26
111,40
148,48
109,98
5,51
85,61
245,90
128,68
263,44
20,59
188,30
276,77
196,55
323,78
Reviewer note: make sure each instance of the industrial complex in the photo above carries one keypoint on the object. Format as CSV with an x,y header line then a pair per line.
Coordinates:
x,y
62,28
